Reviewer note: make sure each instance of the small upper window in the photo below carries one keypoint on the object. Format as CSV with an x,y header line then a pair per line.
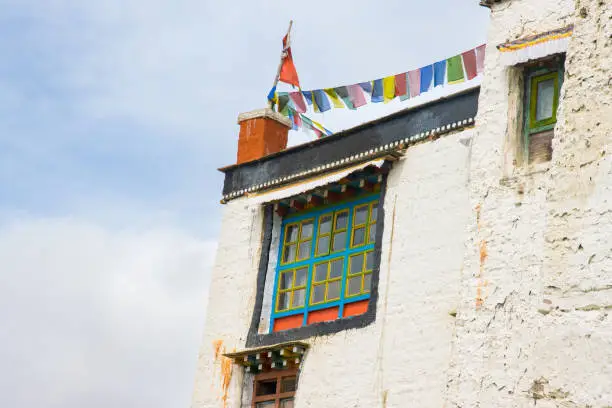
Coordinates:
x,y
542,88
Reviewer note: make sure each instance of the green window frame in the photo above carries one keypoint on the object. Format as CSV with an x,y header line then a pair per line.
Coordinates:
x,y
534,78
360,273
329,234
297,241
326,281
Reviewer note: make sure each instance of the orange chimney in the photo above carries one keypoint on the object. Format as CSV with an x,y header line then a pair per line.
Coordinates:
x,y
262,132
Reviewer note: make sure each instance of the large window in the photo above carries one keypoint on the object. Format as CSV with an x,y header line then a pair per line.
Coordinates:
x,y
542,88
275,389
326,259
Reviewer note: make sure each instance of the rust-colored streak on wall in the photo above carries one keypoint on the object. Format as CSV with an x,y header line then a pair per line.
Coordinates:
x,y
260,137
324,315
226,369
354,309
288,322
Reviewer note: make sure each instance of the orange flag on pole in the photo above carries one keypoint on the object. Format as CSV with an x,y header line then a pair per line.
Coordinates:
x,y
288,73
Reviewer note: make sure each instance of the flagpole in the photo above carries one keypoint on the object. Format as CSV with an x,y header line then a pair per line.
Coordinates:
x,y
282,58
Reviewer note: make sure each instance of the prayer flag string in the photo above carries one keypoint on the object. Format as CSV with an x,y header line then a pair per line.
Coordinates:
x,y
459,68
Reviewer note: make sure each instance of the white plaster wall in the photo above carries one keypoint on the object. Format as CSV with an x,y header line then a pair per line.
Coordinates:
x,y
230,307
534,325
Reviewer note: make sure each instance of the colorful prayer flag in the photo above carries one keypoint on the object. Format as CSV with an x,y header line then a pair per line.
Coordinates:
x,y
272,95
321,101
297,120
366,86
480,57
469,61
454,70
334,98
288,72
308,96
343,93
377,91
414,82
388,88
356,95
426,78
283,100
298,101
439,72
400,85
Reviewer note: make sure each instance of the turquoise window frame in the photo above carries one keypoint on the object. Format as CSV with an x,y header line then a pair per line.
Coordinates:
x,y
310,262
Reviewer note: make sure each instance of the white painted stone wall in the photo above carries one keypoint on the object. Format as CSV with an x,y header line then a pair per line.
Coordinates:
x,y
405,354
521,254
534,325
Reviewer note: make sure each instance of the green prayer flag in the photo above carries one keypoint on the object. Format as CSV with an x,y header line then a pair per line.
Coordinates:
x,y
342,92
454,70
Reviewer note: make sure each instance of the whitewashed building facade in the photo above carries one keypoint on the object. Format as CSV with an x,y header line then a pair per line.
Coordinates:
x,y
456,254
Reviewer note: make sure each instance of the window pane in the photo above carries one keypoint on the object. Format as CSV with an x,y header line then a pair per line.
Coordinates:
x,y
339,242
323,245
342,220
318,293
306,230
354,285
283,301
292,233
372,235
367,282
299,297
545,96
369,261
359,236
289,255
336,268
361,215
320,272
288,384
356,264
300,277
325,224
304,250
267,404
333,290
266,387
374,215
287,403
286,280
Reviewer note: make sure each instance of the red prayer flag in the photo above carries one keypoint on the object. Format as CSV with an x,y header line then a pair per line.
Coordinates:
x,y
356,95
297,120
480,56
400,84
298,101
288,73
469,62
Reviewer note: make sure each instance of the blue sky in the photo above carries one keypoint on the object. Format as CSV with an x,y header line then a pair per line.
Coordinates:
x,y
113,119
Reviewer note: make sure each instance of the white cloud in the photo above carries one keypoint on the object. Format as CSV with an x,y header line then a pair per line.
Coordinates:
x,y
98,318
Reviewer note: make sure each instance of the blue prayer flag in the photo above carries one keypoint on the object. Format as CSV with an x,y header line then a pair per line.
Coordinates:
x,y
439,72
377,91
426,77
321,100
366,86
271,96
308,96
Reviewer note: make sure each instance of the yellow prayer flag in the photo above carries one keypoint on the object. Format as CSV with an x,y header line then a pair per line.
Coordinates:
x,y
336,101
388,88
